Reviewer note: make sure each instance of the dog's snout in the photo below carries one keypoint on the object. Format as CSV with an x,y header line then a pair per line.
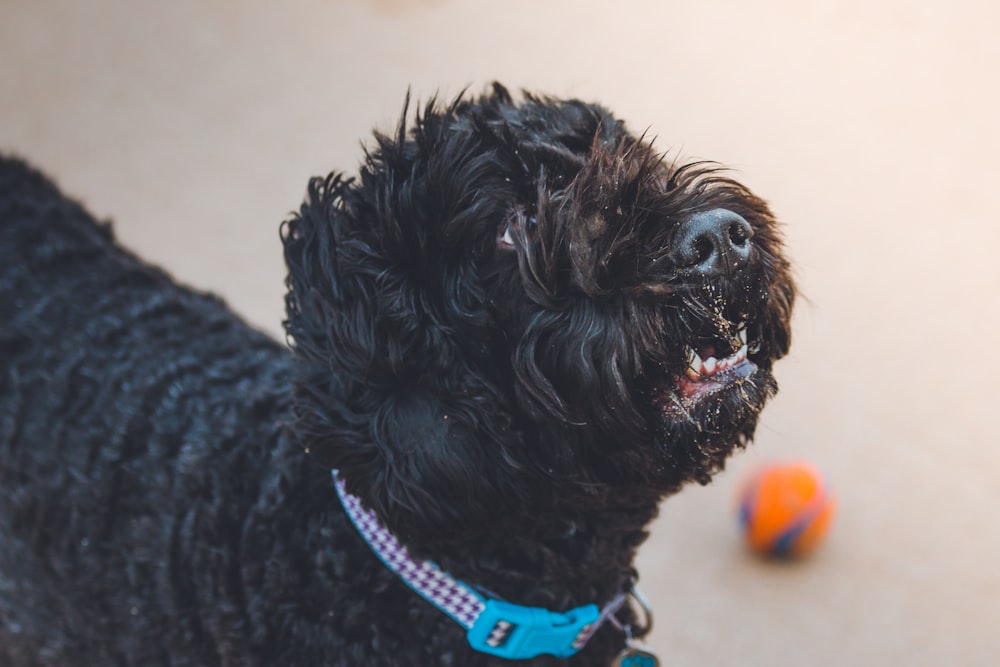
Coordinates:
x,y
712,243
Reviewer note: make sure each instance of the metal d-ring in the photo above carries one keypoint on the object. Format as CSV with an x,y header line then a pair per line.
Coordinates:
x,y
646,617
643,628
633,655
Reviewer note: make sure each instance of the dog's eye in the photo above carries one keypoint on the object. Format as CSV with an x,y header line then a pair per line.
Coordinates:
x,y
507,240
530,224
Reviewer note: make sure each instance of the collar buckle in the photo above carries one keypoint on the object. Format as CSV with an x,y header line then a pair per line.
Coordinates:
x,y
516,633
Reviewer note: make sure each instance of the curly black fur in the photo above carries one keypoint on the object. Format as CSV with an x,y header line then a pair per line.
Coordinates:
x,y
487,332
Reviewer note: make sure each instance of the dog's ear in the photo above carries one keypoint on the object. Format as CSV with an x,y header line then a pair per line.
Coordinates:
x,y
389,336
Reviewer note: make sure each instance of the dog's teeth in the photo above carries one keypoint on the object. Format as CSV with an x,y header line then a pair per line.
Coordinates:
x,y
709,365
699,369
725,364
695,366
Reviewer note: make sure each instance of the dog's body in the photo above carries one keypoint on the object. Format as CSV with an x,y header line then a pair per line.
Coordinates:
x,y
489,329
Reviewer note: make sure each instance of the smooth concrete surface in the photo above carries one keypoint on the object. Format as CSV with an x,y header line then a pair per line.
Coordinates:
x,y
871,127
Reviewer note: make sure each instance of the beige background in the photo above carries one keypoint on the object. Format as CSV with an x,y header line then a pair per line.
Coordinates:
x,y
870,126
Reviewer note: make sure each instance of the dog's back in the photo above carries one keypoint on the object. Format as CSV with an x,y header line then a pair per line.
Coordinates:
x,y
136,418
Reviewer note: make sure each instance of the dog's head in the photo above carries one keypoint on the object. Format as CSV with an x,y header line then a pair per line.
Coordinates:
x,y
520,302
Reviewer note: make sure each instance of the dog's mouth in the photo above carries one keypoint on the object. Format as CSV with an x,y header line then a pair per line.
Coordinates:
x,y
714,364
707,403
716,367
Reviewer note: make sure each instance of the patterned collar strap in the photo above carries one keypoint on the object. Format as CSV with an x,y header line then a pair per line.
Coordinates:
x,y
494,626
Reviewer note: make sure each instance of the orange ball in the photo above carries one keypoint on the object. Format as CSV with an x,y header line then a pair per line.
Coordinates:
x,y
785,509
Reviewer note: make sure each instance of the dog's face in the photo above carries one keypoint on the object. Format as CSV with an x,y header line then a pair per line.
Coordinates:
x,y
519,301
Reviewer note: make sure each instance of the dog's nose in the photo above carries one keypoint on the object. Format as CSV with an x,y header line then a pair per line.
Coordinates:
x,y
712,243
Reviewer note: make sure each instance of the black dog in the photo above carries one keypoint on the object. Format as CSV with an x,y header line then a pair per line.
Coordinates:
x,y
513,334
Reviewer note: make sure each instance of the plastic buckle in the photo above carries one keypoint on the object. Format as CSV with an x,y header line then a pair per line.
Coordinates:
x,y
516,633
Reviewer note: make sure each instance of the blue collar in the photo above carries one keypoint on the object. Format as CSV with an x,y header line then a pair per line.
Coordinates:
x,y
496,627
